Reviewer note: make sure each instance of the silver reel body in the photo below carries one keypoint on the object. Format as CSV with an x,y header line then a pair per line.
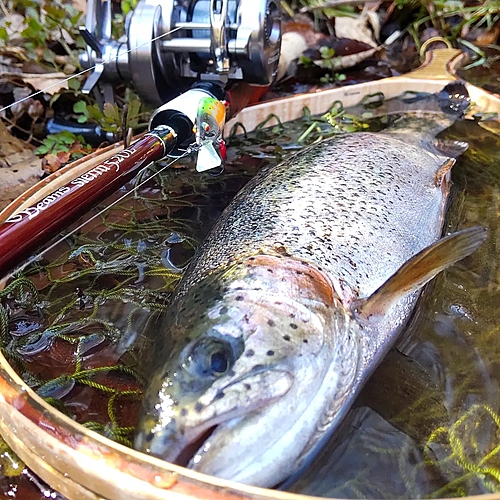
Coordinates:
x,y
170,44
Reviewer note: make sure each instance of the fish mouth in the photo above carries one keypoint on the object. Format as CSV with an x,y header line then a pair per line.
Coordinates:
x,y
188,454
188,451
172,447
189,433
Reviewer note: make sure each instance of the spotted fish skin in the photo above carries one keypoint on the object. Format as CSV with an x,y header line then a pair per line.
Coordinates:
x,y
366,193
264,342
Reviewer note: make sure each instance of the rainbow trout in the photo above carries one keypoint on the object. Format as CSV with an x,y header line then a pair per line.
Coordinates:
x,y
295,297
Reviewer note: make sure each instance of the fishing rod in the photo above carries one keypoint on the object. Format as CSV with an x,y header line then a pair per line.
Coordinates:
x,y
191,123
203,46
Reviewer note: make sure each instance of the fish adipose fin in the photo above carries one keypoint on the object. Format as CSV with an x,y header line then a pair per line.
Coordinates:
x,y
420,269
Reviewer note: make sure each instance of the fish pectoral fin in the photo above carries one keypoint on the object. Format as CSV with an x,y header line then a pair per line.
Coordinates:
x,y
420,269
443,170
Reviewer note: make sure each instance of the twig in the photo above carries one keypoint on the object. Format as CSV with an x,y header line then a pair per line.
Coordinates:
x,y
336,3
4,8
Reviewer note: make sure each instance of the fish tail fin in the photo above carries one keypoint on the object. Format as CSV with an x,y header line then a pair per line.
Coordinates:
x,y
454,99
420,269
424,115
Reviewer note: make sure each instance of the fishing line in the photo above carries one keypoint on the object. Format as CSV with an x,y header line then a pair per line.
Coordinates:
x,y
38,92
121,198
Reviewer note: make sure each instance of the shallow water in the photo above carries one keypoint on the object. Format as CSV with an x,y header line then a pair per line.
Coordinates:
x,y
97,288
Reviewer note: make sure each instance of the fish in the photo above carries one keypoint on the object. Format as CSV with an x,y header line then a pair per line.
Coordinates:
x,y
298,292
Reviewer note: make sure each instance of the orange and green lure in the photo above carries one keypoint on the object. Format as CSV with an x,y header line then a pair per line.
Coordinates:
x,y
210,120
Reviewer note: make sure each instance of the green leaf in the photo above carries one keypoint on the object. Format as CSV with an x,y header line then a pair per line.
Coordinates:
x,y
95,113
111,112
76,18
55,143
42,150
326,52
64,137
48,55
345,11
53,99
305,61
134,107
80,107
74,84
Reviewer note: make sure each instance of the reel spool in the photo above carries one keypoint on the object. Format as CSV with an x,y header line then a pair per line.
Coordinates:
x,y
170,44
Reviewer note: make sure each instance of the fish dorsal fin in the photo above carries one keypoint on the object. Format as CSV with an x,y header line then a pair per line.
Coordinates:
x,y
451,149
420,269
446,148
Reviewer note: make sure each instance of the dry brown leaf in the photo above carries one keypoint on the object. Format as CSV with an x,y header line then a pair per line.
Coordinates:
x,y
489,37
293,45
50,83
21,102
35,109
19,167
375,22
355,28
303,27
18,53
51,163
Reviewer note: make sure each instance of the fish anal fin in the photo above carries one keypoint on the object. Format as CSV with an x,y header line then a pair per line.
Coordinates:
x,y
443,170
419,270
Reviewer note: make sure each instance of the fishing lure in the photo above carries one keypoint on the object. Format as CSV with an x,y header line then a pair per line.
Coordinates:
x,y
210,120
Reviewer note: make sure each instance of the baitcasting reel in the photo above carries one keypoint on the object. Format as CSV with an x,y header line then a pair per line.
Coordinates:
x,y
169,44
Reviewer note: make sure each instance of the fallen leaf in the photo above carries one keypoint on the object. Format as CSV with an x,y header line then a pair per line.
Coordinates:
x,y
19,167
344,46
489,37
35,109
18,53
293,45
50,83
21,102
375,21
304,27
355,28
51,163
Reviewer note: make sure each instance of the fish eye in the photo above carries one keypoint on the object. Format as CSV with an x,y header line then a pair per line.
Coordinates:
x,y
209,358
219,362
